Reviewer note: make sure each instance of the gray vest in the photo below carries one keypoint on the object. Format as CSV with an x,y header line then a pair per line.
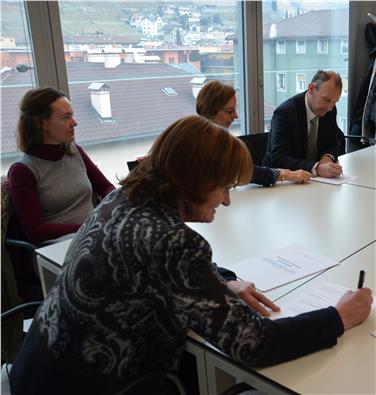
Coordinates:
x,y
64,189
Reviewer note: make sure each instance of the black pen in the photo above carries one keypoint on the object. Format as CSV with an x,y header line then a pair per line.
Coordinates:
x,y
362,276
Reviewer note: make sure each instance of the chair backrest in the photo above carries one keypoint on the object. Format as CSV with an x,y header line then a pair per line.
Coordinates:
x,y
7,317
11,331
6,207
256,144
22,265
132,164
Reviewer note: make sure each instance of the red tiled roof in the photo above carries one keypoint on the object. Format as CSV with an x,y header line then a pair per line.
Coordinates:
x,y
139,106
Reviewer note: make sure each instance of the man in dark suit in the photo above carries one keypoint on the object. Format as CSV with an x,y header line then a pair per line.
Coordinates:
x,y
304,132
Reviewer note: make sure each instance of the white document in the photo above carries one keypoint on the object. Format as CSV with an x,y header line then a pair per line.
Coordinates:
x,y
317,296
336,180
282,266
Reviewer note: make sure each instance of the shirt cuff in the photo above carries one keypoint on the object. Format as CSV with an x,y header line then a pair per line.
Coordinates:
x,y
313,170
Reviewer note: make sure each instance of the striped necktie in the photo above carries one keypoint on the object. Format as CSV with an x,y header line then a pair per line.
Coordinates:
x,y
312,139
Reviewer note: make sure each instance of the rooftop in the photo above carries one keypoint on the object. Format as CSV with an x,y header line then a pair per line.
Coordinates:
x,y
313,24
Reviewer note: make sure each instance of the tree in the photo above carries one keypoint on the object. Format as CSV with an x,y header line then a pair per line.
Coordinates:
x,y
217,19
184,20
179,41
204,21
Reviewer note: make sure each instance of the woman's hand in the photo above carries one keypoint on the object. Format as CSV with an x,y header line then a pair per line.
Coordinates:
x,y
354,307
301,176
247,291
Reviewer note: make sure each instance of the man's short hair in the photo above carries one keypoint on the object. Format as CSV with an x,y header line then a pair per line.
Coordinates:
x,y
322,76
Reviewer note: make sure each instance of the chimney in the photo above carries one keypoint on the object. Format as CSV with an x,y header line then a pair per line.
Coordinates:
x,y
111,61
197,83
100,99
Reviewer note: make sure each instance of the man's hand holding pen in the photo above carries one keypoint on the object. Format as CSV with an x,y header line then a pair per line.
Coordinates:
x,y
328,167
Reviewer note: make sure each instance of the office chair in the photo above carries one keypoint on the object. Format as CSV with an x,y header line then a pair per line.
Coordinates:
x,y
21,311
355,142
153,377
132,164
256,144
21,258
238,389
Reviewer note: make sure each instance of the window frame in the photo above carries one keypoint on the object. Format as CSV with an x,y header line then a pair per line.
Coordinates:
x,y
345,86
278,49
298,90
46,36
304,47
326,50
47,43
283,88
342,121
344,46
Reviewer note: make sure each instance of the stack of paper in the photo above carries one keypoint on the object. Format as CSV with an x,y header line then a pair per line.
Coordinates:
x,y
282,266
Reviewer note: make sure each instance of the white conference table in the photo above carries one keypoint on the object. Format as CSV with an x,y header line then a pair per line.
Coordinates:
x,y
350,367
334,220
50,262
347,368
361,163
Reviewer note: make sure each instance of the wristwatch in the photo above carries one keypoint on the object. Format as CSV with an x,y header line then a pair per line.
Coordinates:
x,y
331,157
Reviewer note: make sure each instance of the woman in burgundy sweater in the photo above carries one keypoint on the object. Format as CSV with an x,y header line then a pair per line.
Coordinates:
x,y
52,184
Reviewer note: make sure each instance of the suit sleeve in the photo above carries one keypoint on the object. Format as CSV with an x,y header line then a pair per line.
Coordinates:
x,y
263,176
98,181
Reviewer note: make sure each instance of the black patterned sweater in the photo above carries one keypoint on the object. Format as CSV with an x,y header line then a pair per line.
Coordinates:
x,y
136,278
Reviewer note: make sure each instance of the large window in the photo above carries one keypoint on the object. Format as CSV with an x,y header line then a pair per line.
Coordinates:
x,y
319,30
135,55
147,62
17,74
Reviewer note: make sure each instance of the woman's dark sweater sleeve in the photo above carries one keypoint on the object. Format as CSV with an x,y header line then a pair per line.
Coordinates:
x,y
290,338
226,274
263,176
204,303
25,200
98,181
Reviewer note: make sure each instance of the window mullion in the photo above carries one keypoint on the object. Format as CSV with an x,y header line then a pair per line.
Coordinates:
x,y
253,67
47,44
